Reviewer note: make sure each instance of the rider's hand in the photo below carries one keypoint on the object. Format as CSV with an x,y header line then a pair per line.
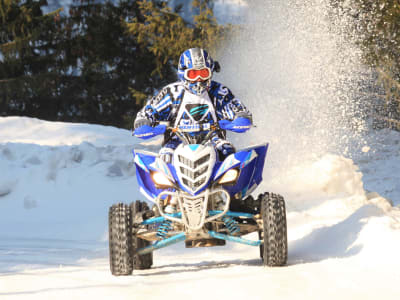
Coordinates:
x,y
141,122
244,114
224,147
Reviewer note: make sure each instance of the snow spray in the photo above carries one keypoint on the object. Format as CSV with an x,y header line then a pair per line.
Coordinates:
x,y
294,66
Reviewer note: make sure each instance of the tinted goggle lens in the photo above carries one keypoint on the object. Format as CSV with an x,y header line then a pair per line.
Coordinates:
x,y
193,74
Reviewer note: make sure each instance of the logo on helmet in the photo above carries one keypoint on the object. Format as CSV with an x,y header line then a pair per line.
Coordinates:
x,y
198,58
186,61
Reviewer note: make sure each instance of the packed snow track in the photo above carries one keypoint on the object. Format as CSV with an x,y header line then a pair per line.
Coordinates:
x,y
58,180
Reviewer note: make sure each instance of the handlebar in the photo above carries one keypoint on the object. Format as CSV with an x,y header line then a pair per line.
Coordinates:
x,y
194,128
237,125
182,130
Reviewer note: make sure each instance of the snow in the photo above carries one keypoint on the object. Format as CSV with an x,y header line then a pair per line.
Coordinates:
x,y
57,181
34,131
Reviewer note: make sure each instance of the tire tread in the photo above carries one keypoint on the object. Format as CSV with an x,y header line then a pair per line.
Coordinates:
x,y
275,249
119,224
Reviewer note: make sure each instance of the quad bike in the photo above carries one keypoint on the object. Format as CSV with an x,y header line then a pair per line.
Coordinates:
x,y
199,199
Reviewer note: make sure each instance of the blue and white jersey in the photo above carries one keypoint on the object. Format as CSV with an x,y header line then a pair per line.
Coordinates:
x,y
195,110
180,107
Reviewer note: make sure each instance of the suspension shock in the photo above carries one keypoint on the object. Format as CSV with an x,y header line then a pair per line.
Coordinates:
x,y
231,224
163,229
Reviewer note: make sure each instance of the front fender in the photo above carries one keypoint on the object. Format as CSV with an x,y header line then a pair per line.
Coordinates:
x,y
250,162
145,163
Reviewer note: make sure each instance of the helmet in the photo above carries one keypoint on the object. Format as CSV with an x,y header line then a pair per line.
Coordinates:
x,y
195,69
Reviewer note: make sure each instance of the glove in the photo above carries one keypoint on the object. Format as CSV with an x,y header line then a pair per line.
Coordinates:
x,y
244,114
141,122
223,147
226,149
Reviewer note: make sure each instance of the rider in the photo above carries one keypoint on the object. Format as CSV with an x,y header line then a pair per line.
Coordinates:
x,y
195,99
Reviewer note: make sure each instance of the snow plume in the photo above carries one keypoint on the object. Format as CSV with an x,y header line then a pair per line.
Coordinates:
x,y
292,65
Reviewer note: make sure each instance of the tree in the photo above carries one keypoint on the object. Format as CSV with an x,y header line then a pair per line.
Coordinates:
x,y
376,28
97,63
24,54
75,67
104,61
166,34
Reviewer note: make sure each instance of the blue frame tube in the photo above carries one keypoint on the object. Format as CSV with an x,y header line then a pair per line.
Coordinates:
x,y
153,220
210,212
162,243
233,238
160,219
181,236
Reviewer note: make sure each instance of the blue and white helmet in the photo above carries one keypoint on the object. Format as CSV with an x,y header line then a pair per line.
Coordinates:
x,y
195,69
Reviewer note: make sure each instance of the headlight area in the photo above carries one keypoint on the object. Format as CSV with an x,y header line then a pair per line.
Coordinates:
x,y
229,177
161,181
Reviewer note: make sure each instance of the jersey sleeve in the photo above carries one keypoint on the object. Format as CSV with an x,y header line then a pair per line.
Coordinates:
x,y
157,108
228,106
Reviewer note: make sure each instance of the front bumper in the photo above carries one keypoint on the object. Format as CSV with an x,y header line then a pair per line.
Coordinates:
x,y
194,213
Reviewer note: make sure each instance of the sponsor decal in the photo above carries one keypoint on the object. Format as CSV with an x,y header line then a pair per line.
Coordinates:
x,y
198,59
144,134
241,127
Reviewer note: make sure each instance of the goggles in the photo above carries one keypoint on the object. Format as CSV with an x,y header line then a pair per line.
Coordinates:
x,y
193,75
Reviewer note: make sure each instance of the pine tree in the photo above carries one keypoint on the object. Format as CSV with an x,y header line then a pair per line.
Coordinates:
x,y
164,32
24,54
380,25
376,28
105,62
98,62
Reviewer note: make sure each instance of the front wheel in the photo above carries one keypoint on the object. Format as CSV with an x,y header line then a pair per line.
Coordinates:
x,y
120,240
145,261
274,251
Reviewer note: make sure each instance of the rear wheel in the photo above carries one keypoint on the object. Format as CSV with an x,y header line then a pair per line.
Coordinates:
x,y
119,229
274,251
140,262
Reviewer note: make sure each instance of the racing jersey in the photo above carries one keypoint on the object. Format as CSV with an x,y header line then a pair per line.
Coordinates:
x,y
180,107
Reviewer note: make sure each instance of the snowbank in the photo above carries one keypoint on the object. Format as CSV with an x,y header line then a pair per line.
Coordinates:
x,y
35,131
54,198
58,179
331,174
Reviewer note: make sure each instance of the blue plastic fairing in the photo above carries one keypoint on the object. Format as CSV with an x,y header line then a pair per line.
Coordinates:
x,y
145,163
250,163
147,132
238,125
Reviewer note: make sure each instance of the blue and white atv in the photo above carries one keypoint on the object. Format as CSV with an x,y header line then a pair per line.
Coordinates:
x,y
198,199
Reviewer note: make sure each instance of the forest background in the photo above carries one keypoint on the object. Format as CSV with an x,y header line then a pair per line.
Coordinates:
x,y
98,61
